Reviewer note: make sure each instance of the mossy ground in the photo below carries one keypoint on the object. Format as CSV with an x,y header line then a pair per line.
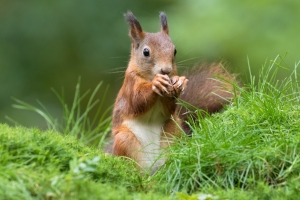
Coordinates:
x,y
47,165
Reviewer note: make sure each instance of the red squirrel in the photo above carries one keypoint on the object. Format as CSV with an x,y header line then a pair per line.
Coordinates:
x,y
146,117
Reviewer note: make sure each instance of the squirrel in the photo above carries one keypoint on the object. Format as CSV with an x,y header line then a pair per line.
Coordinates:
x,y
146,116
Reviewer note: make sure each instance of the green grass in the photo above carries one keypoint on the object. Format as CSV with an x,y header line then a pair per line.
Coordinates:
x,y
75,120
255,141
47,165
249,151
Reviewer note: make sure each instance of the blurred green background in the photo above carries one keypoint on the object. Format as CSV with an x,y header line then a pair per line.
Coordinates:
x,y
49,44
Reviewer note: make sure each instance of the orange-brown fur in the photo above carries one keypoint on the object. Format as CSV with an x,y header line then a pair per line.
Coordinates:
x,y
145,113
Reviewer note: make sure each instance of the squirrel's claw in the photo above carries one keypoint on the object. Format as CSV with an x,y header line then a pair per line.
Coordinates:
x,y
174,79
156,90
179,85
161,83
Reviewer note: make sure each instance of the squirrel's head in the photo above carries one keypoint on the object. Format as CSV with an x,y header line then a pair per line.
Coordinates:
x,y
151,53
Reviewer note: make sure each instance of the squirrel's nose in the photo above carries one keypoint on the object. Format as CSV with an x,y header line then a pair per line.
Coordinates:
x,y
166,70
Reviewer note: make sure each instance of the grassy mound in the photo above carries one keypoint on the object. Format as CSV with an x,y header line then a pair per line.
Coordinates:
x,y
253,144
249,151
47,165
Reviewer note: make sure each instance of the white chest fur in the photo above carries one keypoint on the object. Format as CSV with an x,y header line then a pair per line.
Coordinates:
x,y
148,130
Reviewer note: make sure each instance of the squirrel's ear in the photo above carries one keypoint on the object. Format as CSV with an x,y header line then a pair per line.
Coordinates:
x,y
136,33
164,23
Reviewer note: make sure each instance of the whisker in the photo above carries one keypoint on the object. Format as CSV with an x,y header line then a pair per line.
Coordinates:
x,y
116,70
119,57
182,66
121,78
188,52
186,60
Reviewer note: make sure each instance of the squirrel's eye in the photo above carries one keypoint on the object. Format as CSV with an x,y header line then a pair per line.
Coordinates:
x,y
146,52
175,52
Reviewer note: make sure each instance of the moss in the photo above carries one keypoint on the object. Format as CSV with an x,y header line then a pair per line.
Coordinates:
x,y
47,165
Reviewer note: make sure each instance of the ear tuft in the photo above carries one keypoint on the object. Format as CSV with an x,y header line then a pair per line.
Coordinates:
x,y
164,23
136,32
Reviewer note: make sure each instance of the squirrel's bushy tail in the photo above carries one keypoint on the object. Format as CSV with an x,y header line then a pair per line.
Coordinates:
x,y
210,87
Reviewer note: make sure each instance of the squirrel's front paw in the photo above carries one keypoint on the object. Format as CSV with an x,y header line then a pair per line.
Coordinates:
x,y
161,85
179,84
